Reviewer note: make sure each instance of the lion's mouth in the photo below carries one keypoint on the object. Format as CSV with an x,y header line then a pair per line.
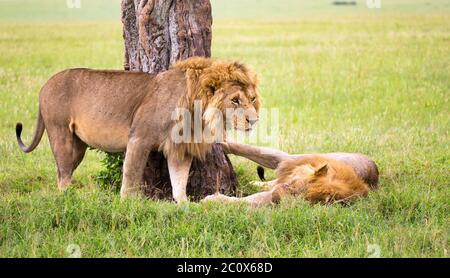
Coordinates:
x,y
247,129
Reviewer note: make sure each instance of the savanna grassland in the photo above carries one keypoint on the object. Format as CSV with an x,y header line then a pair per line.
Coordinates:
x,y
349,79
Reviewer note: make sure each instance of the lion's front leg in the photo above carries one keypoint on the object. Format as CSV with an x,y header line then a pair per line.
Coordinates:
x,y
179,174
218,197
133,167
257,199
265,185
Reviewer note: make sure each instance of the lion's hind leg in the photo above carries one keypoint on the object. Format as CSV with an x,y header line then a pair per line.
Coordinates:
x,y
218,197
78,152
68,151
256,199
261,198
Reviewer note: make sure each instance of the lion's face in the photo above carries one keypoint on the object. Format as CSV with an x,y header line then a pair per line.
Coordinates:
x,y
226,95
239,105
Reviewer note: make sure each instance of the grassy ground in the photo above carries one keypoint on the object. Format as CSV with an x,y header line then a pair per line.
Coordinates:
x,y
343,78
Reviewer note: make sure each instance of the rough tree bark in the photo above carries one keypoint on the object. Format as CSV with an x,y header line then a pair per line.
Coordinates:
x,y
158,33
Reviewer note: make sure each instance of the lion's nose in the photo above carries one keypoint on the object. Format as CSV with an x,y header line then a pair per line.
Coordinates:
x,y
252,122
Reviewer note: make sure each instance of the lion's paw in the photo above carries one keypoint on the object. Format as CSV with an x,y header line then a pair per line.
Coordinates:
x,y
216,198
258,183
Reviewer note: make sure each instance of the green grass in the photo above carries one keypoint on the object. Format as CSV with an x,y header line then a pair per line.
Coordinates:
x,y
344,79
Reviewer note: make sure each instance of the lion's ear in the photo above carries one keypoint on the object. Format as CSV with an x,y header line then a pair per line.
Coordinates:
x,y
321,171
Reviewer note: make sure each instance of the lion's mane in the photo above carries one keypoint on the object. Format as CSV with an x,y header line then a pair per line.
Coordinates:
x,y
204,77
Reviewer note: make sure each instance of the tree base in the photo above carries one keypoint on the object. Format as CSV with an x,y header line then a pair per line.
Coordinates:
x,y
205,177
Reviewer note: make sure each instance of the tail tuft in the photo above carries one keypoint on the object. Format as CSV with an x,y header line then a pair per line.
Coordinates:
x,y
18,129
40,128
18,134
260,171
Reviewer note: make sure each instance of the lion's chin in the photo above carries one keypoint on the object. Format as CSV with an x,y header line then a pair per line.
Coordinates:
x,y
239,128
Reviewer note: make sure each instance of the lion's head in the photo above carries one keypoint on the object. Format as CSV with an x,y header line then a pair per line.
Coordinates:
x,y
226,93
228,87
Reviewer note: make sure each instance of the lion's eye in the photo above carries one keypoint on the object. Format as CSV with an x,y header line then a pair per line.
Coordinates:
x,y
236,101
254,100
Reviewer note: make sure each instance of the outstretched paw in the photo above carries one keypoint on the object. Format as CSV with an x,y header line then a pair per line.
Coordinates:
x,y
258,183
217,198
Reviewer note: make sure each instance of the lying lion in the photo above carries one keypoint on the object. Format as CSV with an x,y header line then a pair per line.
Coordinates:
x,y
319,178
118,111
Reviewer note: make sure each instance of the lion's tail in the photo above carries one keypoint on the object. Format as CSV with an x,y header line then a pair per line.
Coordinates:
x,y
37,135
260,171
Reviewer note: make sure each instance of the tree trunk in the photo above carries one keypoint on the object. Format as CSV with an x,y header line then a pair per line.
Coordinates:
x,y
158,33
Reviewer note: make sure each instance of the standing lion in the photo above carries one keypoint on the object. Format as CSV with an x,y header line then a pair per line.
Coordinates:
x,y
131,112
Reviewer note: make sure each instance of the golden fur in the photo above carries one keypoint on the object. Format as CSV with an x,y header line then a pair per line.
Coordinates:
x,y
319,180
207,81
118,111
